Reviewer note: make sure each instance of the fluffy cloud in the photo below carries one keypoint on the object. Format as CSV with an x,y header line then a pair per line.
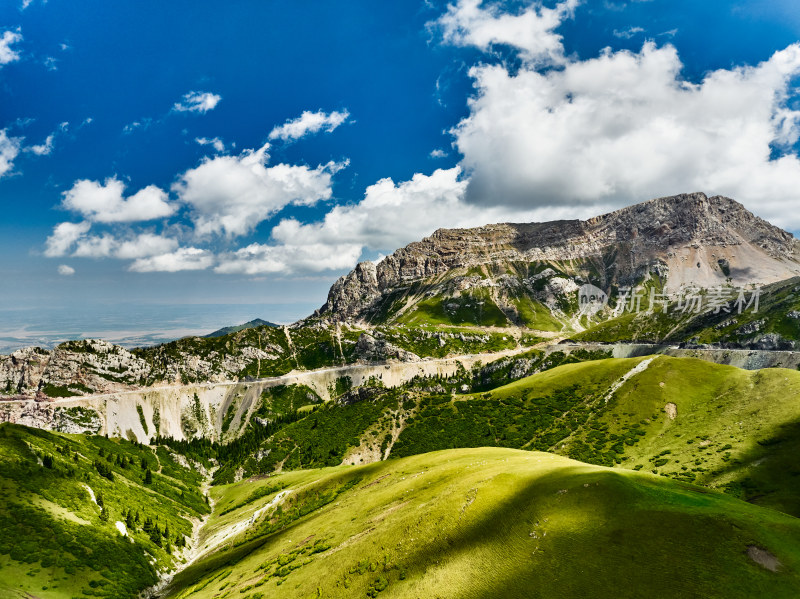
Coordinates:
x,y
73,239
390,215
104,203
190,258
200,102
309,123
66,271
264,259
214,142
142,245
7,40
232,194
64,237
9,150
42,149
531,31
621,127
624,127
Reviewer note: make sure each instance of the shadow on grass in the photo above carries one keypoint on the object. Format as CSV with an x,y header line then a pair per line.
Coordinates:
x,y
769,474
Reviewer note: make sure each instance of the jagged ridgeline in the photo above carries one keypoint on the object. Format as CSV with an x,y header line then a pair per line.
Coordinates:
x,y
90,366
530,274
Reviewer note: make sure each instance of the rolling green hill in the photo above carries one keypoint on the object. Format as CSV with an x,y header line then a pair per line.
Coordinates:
x,y
684,418
489,523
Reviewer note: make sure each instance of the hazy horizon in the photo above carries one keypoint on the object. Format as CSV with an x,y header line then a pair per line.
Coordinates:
x,y
133,325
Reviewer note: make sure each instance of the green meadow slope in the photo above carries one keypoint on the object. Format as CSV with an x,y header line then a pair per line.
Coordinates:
x,y
56,541
486,523
684,418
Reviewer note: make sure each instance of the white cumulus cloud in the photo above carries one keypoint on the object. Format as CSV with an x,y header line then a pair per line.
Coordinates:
x,y
531,31
200,102
7,40
65,270
64,237
233,194
132,247
214,142
625,127
190,258
43,149
620,127
143,245
265,259
105,203
9,150
73,239
309,123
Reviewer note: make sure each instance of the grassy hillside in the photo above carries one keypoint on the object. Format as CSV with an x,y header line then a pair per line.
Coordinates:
x,y
778,315
489,523
293,430
63,501
732,428
680,417
684,418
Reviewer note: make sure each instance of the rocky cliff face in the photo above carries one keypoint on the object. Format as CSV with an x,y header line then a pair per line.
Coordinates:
x,y
72,368
91,366
688,239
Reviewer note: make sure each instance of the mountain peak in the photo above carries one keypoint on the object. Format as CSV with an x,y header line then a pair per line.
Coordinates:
x,y
698,239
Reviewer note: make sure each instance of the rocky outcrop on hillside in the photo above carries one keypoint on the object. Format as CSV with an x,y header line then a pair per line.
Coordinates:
x,y
72,368
689,239
92,366
377,349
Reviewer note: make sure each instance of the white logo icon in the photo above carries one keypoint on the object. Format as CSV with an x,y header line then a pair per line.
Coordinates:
x,y
591,299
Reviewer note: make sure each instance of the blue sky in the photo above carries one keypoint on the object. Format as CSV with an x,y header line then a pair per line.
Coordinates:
x,y
251,152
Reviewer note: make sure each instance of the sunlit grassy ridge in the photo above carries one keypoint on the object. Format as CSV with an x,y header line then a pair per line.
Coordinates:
x,y
685,418
491,522
732,428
